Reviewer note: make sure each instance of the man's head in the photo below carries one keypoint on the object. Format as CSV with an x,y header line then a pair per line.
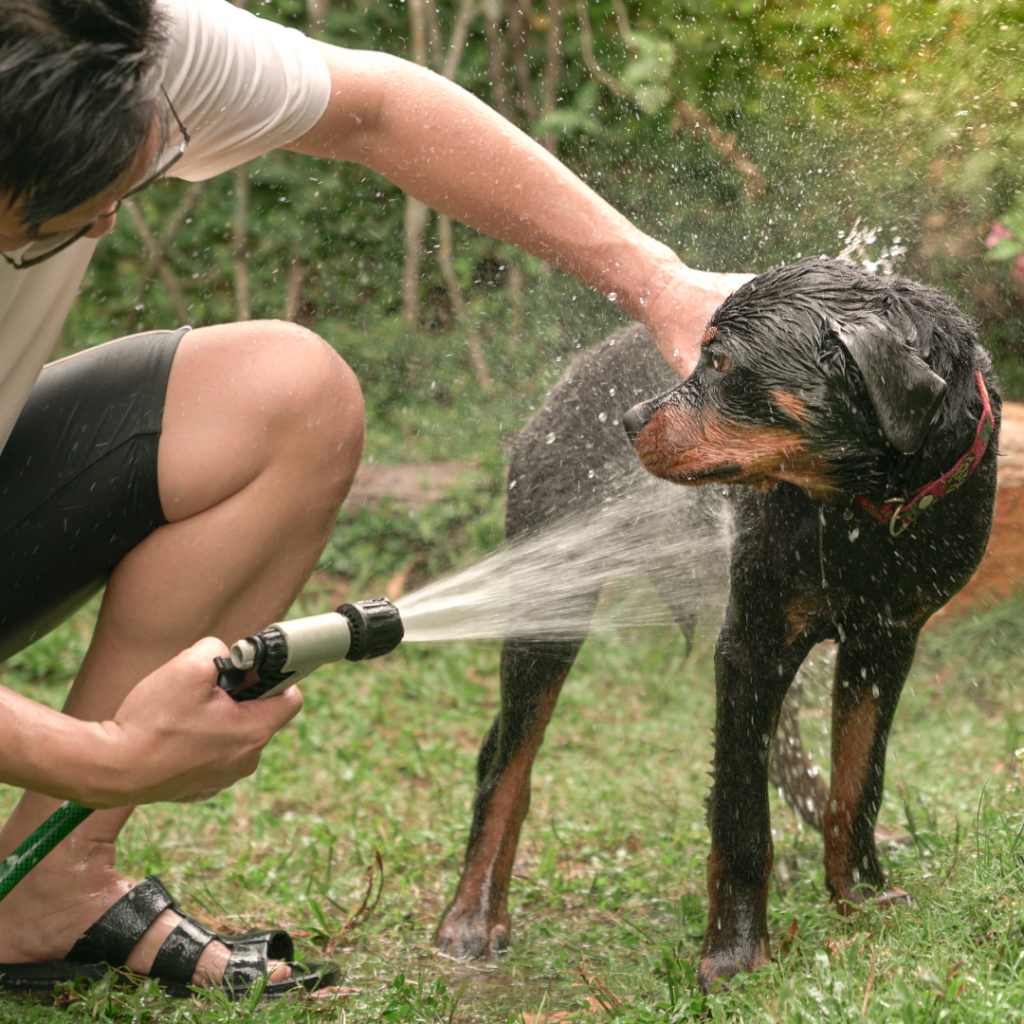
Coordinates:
x,y
79,96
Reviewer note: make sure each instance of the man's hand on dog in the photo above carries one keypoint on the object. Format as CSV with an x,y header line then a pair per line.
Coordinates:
x,y
680,308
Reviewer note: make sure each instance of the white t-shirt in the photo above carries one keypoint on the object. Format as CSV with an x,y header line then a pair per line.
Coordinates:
x,y
242,86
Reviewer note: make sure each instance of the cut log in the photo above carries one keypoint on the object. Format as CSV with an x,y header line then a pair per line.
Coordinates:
x,y
1001,572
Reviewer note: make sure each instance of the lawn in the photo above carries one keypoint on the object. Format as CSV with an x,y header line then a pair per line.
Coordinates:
x,y
608,897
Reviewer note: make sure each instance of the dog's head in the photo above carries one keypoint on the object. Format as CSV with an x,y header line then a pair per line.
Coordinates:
x,y
822,375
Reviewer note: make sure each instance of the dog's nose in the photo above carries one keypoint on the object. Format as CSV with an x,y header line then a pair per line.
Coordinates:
x,y
636,419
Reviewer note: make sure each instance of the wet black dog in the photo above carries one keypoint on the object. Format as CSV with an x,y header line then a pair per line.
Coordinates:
x,y
859,415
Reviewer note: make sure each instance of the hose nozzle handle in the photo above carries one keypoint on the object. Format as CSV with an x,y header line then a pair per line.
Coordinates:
x,y
285,652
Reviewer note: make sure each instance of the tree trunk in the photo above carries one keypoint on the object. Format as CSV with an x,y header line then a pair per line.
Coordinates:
x,y
316,15
243,290
552,68
170,282
157,250
293,283
496,58
476,349
519,31
416,214
447,63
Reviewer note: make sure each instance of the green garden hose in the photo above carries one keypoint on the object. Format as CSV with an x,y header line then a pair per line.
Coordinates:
x,y
259,666
57,827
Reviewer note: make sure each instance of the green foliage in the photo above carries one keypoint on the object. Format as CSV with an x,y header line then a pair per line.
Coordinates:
x,y
608,896
901,116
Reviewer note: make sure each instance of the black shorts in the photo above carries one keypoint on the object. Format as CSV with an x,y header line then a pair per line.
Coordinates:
x,y
78,480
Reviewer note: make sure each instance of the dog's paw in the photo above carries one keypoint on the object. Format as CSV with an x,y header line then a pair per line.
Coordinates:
x,y
471,938
718,967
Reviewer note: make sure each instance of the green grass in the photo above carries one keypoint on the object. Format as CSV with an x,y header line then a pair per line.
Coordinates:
x,y
608,895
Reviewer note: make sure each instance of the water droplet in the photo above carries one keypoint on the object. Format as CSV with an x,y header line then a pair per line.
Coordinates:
x,y
875,691
611,391
602,416
591,474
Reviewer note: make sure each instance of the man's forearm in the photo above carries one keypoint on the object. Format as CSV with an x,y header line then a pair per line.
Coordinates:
x,y
445,147
49,752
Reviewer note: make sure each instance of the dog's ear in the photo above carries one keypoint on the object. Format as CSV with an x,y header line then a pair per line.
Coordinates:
x,y
903,389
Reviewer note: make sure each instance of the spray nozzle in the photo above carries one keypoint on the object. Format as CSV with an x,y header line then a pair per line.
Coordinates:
x,y
285,652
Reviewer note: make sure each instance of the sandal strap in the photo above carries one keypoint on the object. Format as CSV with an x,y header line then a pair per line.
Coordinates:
x,y
177,958
249,956
278,944
247,965
113,936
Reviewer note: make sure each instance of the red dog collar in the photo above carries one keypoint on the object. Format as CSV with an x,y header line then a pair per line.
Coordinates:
x,y
899,513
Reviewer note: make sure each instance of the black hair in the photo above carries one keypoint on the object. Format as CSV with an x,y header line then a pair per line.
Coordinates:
x,y
79,81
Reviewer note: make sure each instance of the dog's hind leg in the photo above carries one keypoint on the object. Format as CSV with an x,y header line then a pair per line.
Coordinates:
x,y
790,769
477,920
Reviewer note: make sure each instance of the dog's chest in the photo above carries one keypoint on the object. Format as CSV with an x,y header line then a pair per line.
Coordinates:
x,y
833,571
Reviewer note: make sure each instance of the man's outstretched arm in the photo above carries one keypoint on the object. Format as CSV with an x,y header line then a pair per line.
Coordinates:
x,y
443,146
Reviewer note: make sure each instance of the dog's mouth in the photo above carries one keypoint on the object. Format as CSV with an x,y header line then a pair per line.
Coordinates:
x,y
691,450
707,474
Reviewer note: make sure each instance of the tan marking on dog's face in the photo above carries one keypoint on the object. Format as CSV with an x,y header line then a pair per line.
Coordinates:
x,y
679,447
792,406
708,336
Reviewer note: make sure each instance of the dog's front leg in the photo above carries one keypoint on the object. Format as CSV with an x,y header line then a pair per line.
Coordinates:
x,y
752,675
870,672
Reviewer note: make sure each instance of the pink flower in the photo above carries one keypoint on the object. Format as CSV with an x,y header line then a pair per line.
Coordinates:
x,y
1017,270
996,234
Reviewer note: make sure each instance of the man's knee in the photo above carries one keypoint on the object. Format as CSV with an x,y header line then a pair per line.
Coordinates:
x,y
264,392
308,394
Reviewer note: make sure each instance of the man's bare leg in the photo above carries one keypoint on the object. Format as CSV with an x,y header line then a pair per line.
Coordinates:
x,y
263,432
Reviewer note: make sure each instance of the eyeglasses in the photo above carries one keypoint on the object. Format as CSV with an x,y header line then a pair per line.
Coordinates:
x,y
44,248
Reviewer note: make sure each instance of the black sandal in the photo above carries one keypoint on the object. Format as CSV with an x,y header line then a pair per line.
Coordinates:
x,y
109,940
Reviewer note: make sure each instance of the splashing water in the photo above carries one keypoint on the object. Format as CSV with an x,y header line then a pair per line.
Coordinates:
x,y
665,547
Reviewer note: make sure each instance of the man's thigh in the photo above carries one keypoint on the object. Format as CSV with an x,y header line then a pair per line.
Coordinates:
x,y
78,480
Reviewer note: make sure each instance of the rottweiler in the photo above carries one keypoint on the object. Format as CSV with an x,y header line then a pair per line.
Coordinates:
x,y
849,424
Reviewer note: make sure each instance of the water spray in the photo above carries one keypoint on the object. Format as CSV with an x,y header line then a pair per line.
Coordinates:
x,y
485,601
259,666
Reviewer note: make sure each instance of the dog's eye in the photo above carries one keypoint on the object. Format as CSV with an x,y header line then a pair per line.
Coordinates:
x,y
721,363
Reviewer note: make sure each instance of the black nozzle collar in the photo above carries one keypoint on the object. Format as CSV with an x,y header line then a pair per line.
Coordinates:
x,y
375,625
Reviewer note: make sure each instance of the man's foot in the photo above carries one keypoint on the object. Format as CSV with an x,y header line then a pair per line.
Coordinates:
x,y
54,905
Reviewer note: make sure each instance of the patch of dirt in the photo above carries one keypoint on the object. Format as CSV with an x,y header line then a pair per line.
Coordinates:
x,y
414,485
